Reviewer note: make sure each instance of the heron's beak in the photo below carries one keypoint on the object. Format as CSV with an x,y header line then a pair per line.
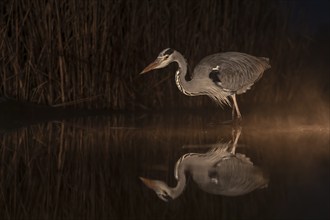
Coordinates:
x,y
149,183
151,66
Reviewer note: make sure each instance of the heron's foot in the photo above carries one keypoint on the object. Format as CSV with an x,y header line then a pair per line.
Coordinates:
x,y
236,133
228,122
237,121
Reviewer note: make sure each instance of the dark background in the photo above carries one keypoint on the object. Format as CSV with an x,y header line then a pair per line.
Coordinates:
x,y
88,54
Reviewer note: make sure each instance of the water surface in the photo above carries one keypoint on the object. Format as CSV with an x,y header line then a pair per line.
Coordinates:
x,y
89,168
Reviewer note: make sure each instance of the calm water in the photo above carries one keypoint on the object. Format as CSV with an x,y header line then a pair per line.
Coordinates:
x,y
89,168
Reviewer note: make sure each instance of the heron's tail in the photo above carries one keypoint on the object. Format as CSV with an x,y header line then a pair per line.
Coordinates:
x,y
265,61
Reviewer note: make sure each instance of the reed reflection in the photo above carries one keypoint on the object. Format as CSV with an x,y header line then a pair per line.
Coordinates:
x,y
219,171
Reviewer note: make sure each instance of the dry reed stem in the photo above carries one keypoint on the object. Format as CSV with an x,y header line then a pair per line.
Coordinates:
x,y
63,52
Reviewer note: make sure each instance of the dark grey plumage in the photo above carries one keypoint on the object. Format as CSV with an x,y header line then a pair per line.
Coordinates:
x,y
237,72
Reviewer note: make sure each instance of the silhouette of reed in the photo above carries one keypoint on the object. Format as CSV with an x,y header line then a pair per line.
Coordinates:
x,y
89,53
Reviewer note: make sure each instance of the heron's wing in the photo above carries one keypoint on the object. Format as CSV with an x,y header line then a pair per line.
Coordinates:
x,y
232,71
215,76
232,177
218,154
244,158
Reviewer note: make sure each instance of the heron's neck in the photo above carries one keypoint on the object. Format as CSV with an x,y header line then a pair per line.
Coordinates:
x,y
182,80
176,191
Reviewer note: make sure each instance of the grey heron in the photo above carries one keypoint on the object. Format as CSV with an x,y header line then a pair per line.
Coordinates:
x,y
218,76
219,171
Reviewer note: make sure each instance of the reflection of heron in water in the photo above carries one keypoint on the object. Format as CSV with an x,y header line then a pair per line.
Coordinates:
x,y
219,171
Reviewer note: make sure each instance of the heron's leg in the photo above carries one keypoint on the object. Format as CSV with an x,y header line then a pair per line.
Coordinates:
x,y
236,133
233,110
239,116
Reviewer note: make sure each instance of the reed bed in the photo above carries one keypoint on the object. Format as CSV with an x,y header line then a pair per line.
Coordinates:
x,y
89,53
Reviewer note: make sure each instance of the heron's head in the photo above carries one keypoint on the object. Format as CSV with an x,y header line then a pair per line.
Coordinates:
x,y
164,58
160,188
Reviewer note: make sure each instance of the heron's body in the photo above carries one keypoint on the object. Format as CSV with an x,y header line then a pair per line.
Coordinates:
x,y
219,171
218,76
223,173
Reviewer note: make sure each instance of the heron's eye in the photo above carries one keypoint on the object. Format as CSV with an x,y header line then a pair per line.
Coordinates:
x,y
166,56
